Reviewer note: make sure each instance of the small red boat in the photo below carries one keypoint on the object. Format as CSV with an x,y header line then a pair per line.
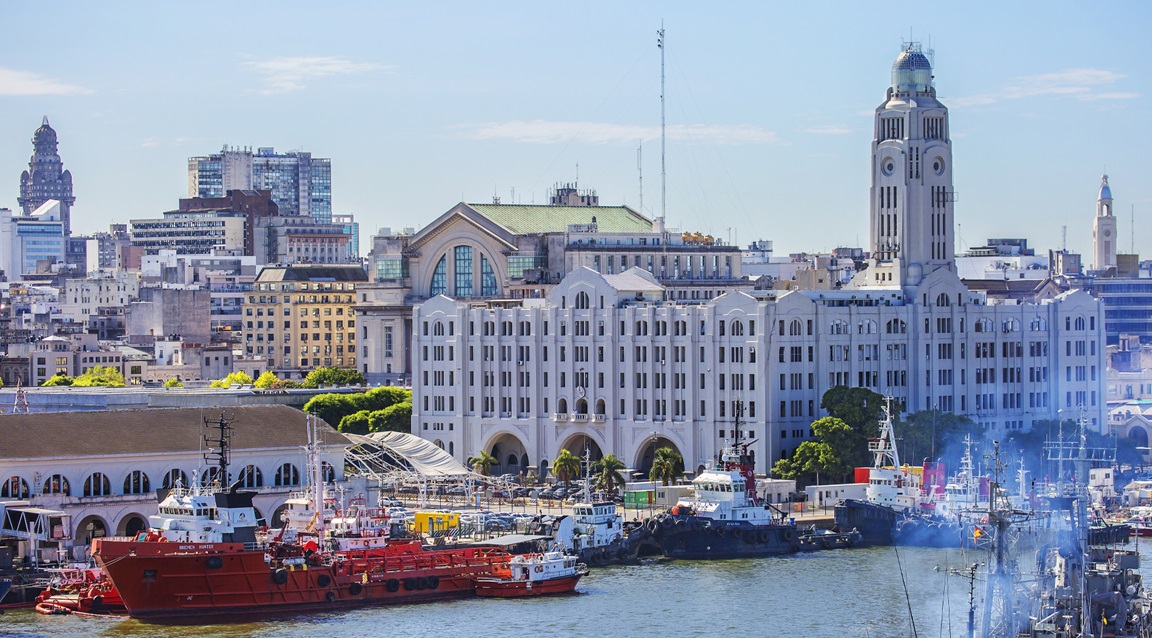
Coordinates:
x,y
532,575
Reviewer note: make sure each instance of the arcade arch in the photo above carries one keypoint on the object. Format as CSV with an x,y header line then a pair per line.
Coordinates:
x,y
510,452
647,453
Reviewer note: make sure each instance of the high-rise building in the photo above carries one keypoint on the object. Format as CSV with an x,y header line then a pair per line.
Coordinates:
x,y
300,184
46,178
1104,229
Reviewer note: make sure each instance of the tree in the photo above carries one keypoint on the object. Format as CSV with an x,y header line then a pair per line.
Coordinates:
x,y
935,435
607,473
174,383
58,379
483,462
332,407
100,376
667,465
266,380
355,423
811,461
566,466
394,418
332,376
234,378
860,409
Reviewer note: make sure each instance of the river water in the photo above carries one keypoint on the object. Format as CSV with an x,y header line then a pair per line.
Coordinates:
x,y
854,593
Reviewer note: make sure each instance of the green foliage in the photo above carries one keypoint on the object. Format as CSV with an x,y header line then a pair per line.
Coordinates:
x,y
667,465
860,408
173,383
266,380
355,423
607,473
234,378
566,466
100,376
935,435
394,418
332,376
332,408
482,463
59,379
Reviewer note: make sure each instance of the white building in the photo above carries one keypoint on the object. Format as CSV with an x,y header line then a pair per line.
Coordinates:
x,y
615,363
101,289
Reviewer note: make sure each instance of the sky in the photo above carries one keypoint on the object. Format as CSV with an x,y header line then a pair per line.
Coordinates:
x,y
769,107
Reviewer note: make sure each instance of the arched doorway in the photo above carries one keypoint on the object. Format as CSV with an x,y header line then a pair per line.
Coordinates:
x,y
132,524
1139,437
510,453
648,453
90,528
581,444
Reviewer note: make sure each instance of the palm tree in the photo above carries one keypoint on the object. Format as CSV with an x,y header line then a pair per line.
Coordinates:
x,y
566,466
607,471
666,466
483,462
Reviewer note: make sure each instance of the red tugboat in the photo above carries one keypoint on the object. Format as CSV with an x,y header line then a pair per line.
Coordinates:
x,y
204,572
532,575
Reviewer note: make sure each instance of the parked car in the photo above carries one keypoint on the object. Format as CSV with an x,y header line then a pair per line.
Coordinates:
x,y
521,492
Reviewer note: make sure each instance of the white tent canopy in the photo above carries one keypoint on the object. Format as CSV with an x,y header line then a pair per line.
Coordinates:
x,y
422,455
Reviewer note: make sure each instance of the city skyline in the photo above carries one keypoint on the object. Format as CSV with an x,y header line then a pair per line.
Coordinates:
x,y
767,122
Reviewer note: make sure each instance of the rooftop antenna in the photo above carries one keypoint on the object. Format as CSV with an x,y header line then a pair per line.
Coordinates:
x,y
640,171
1132,232
1064,238
663,176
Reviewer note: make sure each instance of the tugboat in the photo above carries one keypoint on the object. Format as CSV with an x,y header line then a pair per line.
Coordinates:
x,y
725,519
230,570
532,575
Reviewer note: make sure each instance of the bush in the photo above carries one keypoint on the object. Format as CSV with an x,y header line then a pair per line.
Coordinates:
x,y
59,380
238,378
394,418
355,423
173,383
266,380
332,376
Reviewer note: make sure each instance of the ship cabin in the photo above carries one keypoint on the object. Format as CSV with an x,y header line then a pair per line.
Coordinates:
x,y
719,494
595,513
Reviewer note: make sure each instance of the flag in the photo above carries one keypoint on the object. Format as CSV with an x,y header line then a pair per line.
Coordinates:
x,y
977,533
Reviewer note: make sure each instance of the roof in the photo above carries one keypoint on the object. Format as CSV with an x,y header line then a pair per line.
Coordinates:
x,y
149,431
312,273
524,219
424,456
634,279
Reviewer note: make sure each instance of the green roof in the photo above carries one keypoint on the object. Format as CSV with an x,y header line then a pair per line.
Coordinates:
x,y
523,219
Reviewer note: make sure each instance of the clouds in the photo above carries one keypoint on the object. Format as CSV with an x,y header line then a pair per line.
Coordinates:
x,y
1081,84
545,132
23,83
289,74
830,129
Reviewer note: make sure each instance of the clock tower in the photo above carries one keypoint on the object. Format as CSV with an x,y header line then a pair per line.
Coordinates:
x,y
1104,229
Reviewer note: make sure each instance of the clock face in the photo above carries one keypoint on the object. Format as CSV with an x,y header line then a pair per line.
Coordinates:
x,y
888,166
1107,233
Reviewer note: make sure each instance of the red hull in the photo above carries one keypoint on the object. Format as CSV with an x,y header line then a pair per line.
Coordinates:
x,y
499,588
177,581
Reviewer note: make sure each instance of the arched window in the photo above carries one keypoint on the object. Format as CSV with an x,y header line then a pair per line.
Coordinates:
x,y
287,475
985,325
439,444
896,326
795,329
737,329
440,277
866,327
1011,325
137,483
488,286
327,471
942,300
513,459
57,484
463,271
174,476
1039,324
210,476
438,329
251,476
1079,323
97,485
582,301
14,487
839,327
562,405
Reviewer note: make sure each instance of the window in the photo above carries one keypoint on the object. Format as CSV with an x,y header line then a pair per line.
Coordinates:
x,y
137,483
97,485
57,484
287,474
440,277
14,487
251,476
463,266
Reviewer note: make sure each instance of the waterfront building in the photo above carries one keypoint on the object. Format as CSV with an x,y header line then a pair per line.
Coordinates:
x,y
620,362
46,178
102,469
300,317
300,184
502,251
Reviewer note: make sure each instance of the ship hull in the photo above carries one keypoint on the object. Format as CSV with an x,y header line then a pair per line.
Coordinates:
x,y
876,523
497,588
698,538
224,580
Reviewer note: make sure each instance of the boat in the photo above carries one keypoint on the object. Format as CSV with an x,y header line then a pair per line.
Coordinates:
x,y
81,591
229,567
532,575
891,511
724,518
5,585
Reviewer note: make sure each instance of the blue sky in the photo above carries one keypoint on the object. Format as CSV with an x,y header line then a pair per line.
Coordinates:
x,y
422,105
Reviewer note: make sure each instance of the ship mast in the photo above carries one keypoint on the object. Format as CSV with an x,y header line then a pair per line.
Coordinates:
x,y
219,448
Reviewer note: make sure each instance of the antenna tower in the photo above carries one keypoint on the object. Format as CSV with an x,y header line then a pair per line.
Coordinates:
x,y
219,448
640,171
20,405
663,177
1064,237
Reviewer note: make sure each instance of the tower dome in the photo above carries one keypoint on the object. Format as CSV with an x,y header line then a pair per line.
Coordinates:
x,y
911,72
1105,191
45,136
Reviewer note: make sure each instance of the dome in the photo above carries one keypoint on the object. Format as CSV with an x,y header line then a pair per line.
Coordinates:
x,y
911,72
44,136
1105,192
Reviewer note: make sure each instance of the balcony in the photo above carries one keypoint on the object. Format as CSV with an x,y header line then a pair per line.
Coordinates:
x,y
559,417
599,418
579,418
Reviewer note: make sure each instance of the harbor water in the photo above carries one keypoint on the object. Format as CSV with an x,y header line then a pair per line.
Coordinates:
x,y
856,593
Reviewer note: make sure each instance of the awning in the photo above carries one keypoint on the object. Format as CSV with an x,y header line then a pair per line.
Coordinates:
x,y
422,455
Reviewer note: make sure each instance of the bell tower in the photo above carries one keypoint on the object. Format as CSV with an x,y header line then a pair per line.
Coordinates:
x,y
912,225
1104,229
